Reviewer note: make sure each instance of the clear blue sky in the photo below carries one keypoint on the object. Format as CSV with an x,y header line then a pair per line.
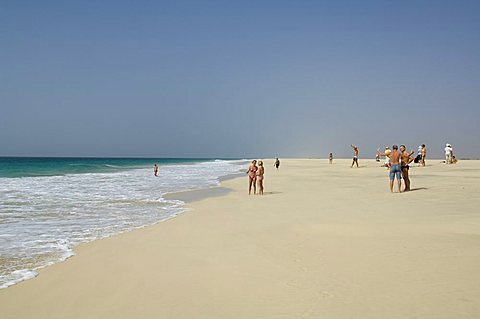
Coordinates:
x,y
238,78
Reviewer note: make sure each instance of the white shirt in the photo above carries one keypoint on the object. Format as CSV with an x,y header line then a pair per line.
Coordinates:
x,y
448,150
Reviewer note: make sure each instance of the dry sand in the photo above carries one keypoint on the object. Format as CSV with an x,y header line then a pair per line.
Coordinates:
x,y
323,242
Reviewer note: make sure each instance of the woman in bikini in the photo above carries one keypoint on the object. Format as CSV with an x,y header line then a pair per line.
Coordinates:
x,y
260,172
252,177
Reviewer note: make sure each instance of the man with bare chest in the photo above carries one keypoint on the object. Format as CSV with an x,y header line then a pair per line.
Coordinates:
x,y
395,169
406,158
355,155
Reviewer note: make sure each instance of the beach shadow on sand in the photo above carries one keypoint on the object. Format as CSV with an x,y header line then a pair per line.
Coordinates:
x,y
271,193
418,189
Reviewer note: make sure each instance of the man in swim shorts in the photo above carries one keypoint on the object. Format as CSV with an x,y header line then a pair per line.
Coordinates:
x,y
355,155
395,169
406,158
155,169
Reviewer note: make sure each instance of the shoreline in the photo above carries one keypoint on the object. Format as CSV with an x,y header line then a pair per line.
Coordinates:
x,y
316,244
90,212
191,196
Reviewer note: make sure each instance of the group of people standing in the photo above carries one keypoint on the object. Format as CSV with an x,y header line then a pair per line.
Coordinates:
x,y
398,162
256,175
449,156
421,155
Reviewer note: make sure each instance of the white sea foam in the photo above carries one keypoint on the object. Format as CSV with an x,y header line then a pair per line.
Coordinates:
x,y
16,276
43,218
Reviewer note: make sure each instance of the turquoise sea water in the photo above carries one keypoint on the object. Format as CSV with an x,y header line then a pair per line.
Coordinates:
x,y
54,166
50,205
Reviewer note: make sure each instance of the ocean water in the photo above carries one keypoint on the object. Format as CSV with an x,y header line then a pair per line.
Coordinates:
x,y
50,205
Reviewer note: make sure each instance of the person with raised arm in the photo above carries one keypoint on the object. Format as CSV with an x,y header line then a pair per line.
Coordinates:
x,y
355,155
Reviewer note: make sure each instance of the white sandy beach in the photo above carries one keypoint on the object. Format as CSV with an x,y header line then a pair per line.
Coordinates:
x,y
325,241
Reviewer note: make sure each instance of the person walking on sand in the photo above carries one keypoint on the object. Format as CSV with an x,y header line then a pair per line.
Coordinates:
x,y
406,158
355,155
330,158
260,173
277,163
395,169
155,169
423,154
252,177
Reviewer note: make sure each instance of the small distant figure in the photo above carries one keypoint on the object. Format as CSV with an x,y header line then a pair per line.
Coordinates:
x,y
355,155
387,157
330,158
252,177
423,155
155,169
448,154
395,169
377,157
277,163
406,158
260,172
418,158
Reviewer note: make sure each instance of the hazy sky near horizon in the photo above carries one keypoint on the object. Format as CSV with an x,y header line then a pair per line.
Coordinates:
x,y
238,78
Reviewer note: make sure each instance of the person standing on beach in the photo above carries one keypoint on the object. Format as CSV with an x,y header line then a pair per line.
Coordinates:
x,y
330,158
395,169
387,157
423,155
448,154
406,158
252,177
155,169
277,163
260,172
355,155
